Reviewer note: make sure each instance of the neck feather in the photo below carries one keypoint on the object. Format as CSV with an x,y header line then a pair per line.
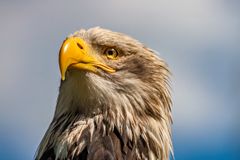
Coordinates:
x,y
89,108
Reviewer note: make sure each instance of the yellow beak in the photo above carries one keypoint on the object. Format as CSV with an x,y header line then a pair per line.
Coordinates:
x,y
75,53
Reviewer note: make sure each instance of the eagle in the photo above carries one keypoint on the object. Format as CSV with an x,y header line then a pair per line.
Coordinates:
x,y
114,101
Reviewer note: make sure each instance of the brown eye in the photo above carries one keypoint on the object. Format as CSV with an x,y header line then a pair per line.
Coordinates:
x,y
111,53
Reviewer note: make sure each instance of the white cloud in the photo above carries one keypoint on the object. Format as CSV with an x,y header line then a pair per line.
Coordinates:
x,y
197,108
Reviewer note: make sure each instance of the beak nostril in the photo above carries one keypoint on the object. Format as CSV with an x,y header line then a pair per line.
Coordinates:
x,y
79,45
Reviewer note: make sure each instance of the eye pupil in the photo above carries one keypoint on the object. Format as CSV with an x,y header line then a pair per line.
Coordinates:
x,y
110,52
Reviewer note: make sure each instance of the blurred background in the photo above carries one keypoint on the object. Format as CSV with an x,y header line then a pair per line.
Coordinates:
x,y
199,39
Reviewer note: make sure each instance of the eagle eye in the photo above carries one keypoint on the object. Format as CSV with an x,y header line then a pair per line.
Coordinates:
x,y
111,53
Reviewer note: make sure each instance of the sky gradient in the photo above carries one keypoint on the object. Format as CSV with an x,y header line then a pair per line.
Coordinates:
x,y
199,39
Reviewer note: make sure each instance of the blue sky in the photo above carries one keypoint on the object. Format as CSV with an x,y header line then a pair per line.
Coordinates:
x,y
199,39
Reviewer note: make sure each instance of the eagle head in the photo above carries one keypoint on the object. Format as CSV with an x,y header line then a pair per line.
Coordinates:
x,y
111,86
